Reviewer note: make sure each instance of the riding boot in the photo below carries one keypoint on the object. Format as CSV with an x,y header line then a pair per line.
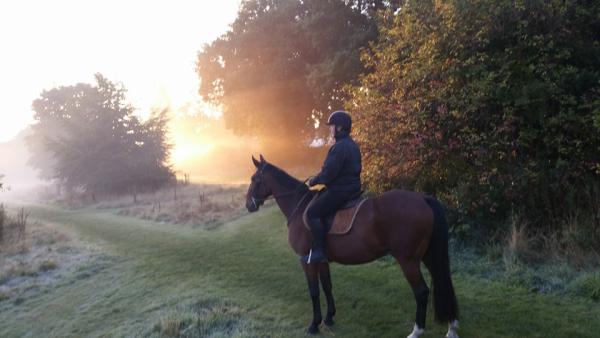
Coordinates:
x,y
317,253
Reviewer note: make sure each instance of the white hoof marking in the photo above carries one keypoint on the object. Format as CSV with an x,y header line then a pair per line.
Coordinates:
x,y
416,332
452,329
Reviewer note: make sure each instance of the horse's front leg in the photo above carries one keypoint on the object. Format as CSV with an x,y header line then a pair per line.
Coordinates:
x,y
311,272
325,276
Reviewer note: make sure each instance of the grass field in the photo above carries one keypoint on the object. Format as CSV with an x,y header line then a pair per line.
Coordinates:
x,y
241,279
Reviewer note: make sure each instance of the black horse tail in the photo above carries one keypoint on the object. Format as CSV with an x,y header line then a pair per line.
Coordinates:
x,y
444,299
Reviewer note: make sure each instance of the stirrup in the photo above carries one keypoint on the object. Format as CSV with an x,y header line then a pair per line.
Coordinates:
x,y
308,259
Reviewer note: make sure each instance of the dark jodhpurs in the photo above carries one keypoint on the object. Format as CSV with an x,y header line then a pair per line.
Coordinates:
x,y
326,204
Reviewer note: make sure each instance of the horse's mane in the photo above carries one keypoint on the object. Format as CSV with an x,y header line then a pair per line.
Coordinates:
x,y
285,179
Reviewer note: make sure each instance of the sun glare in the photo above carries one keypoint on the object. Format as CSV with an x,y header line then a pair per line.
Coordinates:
x,y
184,151
188,143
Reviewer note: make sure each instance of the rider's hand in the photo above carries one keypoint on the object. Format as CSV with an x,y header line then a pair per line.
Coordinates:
x,y
314,185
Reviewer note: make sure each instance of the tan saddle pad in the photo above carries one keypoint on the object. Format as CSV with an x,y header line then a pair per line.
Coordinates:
x,y
342,221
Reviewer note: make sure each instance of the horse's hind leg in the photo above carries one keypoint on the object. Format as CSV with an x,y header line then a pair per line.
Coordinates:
x,y
453,324
325,276
412,271
312,278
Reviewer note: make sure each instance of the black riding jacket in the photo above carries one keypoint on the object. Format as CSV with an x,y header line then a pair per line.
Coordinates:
x,y
342,167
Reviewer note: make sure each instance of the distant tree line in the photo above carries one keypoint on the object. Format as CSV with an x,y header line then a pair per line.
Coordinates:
x,y
87,137
492,105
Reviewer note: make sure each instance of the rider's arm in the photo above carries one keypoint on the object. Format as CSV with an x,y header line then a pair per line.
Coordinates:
x,y
332,166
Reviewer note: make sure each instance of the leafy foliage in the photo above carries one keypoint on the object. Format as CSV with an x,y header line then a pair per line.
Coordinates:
x,y
493,105
87,137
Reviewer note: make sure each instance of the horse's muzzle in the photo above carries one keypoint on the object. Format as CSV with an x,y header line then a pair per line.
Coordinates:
x,y
251,205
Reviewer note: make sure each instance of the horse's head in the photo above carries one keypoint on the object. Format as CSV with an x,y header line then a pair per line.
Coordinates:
x,y
258,191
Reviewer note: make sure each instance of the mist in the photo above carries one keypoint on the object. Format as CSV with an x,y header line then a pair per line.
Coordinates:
x,y
19,178
225,157
203,149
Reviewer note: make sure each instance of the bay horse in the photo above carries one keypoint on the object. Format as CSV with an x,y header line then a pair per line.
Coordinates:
x,y
407,225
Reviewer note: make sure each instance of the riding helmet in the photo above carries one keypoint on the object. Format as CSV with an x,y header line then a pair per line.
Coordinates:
x,y
340,118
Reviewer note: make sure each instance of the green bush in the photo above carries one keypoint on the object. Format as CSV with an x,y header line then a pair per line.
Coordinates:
x,y
491,105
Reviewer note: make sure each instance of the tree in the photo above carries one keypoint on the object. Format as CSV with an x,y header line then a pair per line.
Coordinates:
x,y
280,67
95,142
490,104
371,7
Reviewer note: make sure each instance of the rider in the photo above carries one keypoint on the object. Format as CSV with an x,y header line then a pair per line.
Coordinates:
x,y
341,175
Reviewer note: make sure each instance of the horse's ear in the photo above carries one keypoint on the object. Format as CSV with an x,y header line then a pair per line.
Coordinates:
x,y
262,159
255,161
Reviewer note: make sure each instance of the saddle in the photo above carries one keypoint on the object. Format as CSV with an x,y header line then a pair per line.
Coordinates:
x,y
342,220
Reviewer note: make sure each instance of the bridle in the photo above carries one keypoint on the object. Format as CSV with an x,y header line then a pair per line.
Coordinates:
x,y
287,193
273,196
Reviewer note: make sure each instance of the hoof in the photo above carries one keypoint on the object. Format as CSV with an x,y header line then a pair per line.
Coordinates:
x,y
328,321
313,329
451,334
416,333
452,329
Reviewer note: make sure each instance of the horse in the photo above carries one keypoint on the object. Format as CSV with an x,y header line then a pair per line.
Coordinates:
x,y
407,225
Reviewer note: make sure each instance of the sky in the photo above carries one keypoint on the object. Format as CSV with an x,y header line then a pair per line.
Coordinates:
x,y
150,46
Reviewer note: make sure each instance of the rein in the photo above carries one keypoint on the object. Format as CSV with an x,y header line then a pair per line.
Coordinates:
x,y
274,196
296,208
293,192
255,199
